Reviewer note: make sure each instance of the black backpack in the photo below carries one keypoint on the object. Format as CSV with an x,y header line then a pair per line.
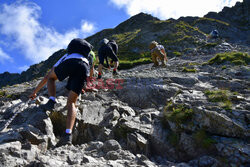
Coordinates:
x,y
80,46
114,46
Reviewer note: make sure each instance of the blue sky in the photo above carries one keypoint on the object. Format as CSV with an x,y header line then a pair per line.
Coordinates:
x,y
31,30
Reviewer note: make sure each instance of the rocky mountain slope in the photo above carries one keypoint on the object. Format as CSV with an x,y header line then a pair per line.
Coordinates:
x,y
194,112
180,37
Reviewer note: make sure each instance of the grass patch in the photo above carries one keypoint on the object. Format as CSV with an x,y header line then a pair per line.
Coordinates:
x,y
209,45
10,96
125,38
2,93
129,60
177,113
220,96
182,34
203,140
125,64
185,69
236,58
121,132
175,53
204,19
173,138
224,67
193,64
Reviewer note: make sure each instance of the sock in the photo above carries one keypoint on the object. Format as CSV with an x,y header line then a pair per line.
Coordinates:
x,y
99,73
52,98
114,69
68,131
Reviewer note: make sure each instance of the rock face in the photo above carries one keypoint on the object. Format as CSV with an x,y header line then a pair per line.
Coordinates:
x,y
147,116
179,37
160,116
238,15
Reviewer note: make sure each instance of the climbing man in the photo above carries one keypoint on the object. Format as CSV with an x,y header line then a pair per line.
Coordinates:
x,y
108,49
75,66
158,52
213,34
91,59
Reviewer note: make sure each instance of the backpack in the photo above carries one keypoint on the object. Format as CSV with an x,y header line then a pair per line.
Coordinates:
x,y
214,34
104,41
80,46
114,46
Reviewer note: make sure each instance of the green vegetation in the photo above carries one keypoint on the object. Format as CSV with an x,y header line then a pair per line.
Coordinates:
x,y
182,35
193,64
125,64
203,140
10,96
204,19
237,58
209,45
177,113
185,69
126,37
173,138
187,50
224,67
175,53
220,96
121,132
2,93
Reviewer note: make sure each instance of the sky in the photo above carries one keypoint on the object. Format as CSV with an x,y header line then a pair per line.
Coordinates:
x,y
32,30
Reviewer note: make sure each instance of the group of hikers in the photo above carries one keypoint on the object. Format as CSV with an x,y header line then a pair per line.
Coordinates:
x,y
78,66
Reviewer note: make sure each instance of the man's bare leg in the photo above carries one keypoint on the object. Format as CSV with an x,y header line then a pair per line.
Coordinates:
x,y
71,106
116,64
51,84
100,71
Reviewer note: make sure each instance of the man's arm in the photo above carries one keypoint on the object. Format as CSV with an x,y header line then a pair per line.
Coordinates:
x,y
40,85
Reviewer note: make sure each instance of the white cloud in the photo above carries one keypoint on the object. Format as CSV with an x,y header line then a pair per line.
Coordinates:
x,y
23,68
19,23
165,9
87,27
4,57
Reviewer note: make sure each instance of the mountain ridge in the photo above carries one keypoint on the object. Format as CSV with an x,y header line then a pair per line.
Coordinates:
x,y
134,35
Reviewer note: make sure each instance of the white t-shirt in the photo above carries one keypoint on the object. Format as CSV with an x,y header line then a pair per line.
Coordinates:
x,y
71,56
158,47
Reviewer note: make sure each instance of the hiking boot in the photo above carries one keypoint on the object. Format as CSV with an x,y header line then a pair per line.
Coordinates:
x,y
163,65
66,139
115,72
99,77
49,106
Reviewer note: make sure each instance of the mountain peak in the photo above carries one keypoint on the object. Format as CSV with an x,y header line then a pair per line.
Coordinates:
x,y
135,21
238,15
143,16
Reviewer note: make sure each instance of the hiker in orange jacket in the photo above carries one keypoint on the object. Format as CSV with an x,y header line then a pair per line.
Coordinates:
x,y
158,52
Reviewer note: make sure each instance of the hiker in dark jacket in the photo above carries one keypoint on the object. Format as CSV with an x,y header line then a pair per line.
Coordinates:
x,y
108,49
213,34
75,66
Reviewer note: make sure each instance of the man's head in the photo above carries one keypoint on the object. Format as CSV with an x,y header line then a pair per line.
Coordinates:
x,y
152,45
104,41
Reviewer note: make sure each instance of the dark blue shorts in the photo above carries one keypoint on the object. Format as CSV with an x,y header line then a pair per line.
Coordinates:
x,y
103,54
